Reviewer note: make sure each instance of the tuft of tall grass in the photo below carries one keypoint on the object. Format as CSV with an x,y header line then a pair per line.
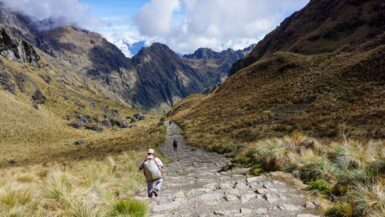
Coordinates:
x,y
368,199
128,208
88,188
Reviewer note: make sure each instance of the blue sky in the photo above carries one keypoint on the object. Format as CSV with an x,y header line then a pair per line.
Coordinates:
x,y
117,13
184,25
122,10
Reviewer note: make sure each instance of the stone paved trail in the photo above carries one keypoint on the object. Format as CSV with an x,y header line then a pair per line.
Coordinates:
x,y
194,187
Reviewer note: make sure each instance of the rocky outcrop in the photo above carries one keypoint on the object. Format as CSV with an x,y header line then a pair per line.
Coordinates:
x,y
13,47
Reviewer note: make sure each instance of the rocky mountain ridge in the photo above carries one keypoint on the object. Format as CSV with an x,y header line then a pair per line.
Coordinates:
x,y
153,80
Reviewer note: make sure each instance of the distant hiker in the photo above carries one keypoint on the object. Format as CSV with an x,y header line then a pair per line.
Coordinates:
x,y
175,145
152,168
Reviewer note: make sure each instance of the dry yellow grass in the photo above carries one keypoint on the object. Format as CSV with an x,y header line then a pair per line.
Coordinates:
x,y
30,135
86,188
43,173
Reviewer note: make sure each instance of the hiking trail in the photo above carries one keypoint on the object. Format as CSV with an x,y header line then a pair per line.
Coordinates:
x,y
193,187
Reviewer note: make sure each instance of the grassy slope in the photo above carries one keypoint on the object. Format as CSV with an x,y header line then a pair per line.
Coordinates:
x,y
54,177
29,135
288,92
260,116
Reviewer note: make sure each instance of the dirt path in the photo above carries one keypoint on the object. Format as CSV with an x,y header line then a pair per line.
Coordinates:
x,y
193,187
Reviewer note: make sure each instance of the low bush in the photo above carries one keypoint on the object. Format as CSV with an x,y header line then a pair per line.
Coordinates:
x,y
320,185
319,169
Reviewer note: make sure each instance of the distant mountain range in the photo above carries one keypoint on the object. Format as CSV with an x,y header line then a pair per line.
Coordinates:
x,y
153,80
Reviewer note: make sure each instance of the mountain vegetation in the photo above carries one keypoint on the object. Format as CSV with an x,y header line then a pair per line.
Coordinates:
x,y
147,81
319,74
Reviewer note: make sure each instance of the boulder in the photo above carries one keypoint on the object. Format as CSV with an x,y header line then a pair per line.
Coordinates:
x,y
310,205
94,127
77,124
12,162
84,118
138,116
79,142
107,122
38,97
124,124
119,123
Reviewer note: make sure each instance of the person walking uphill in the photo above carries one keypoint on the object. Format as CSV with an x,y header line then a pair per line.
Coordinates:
x,y
175,145
152,168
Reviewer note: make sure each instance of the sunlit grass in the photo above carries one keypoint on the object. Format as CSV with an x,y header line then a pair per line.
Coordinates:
x,y
87,188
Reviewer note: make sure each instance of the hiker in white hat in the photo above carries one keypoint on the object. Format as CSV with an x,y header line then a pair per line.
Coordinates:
x,y
152,168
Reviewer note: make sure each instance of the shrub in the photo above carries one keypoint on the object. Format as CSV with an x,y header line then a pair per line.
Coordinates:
x,y
321,185
128,208
341,210
318,169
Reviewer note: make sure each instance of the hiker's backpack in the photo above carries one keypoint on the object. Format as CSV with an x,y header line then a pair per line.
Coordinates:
x,y
151,170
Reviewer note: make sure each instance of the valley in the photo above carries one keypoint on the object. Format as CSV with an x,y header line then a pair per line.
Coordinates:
x,y
291,126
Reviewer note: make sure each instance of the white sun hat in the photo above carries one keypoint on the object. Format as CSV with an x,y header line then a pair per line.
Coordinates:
x,y
151,151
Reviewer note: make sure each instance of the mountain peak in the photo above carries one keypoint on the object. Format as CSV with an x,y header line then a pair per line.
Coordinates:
x,y
156,49
203,53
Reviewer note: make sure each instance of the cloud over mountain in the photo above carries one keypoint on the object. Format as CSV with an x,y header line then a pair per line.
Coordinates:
x,y
188,24
60,12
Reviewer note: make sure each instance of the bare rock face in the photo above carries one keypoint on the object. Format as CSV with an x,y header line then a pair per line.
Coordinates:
x,y
13,47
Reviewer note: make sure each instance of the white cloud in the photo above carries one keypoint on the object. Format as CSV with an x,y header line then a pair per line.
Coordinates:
x,y
156,17
62,12
218,24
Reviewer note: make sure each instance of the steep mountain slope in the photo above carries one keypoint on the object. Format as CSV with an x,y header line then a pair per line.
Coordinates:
x,y
321,27
46,116
320,72
216,63
164,77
